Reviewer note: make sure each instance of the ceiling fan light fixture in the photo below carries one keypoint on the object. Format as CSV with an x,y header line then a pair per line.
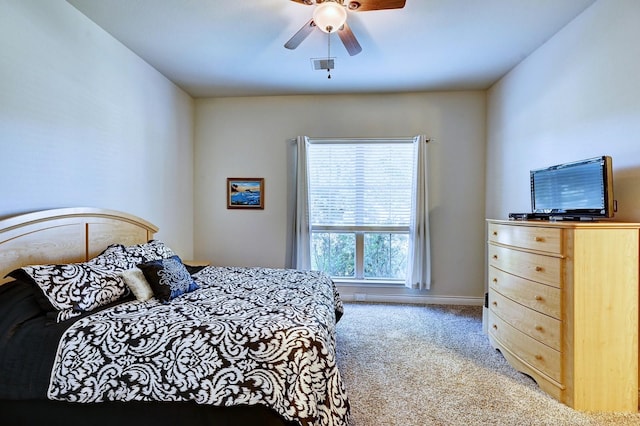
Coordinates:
x,y
329,16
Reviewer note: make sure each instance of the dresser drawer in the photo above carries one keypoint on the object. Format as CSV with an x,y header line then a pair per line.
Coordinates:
x,y
535,267
540,297
541,327
538,355
527,237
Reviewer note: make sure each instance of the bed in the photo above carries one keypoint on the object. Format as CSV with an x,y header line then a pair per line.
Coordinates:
x,y
101,323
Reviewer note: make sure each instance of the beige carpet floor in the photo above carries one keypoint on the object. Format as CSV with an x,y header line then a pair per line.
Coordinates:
x,y
410,365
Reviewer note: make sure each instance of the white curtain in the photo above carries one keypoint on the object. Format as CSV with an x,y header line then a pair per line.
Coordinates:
x,y
419,264
299,247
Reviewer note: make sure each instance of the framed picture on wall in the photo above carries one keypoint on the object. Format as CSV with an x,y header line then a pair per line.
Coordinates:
x,y
245,193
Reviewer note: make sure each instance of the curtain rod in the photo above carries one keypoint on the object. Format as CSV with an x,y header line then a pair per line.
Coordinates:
x,y
400,139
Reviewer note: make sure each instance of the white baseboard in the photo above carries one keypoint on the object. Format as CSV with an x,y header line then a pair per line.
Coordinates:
x,y
417,299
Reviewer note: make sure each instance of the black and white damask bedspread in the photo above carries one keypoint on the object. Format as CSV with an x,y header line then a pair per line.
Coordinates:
x,y
247,336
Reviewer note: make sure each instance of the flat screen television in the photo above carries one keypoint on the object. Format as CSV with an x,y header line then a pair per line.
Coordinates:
x,y
580,190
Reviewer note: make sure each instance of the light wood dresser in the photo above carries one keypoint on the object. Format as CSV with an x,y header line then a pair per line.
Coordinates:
x,y
563,308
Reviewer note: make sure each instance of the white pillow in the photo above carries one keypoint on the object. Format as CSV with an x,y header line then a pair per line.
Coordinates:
x,y
138,284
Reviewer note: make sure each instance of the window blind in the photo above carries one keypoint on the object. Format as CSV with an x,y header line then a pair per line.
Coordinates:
x,y
360,184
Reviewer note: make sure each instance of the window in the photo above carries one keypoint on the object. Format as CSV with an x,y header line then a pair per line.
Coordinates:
x,y
360,206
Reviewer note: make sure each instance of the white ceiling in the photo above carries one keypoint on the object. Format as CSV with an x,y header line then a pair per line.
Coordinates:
x,y
235,47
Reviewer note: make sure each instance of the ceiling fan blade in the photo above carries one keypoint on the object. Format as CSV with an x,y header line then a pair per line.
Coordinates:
x,y
306,2
300,35
364,5
349,40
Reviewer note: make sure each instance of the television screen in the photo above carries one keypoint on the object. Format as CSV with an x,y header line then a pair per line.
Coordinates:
x,y
581,189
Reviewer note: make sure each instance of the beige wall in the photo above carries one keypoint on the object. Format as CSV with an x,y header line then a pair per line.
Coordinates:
x,y
578,96
85,122
247,137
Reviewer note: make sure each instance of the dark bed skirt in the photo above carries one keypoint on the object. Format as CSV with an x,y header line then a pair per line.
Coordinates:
x,y
54,413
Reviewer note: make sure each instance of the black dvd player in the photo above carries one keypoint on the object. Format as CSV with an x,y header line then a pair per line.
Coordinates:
x,y
529,216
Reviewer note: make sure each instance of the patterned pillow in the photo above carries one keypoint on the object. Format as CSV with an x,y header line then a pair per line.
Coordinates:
x,y
142,253
130,256
73,288
168,278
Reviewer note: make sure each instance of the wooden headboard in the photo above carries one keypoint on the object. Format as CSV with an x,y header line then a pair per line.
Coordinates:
x,y
66,236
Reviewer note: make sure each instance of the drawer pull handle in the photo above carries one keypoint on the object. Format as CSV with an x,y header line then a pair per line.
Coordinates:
x,y
539,240
539,298
539,269
495,303
539,357
539,328
495,280
495,327
495,256
495,233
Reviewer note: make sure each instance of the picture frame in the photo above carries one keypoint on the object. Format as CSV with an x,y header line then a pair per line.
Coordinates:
x,y
245,193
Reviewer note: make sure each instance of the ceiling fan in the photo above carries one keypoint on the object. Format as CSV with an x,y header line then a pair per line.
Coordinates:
x,y
331,16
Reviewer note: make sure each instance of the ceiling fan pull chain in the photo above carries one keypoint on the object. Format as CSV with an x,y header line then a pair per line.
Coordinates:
x,y
329,54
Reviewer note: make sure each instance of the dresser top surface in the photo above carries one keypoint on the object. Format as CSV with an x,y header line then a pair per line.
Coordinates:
x,y
596,224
